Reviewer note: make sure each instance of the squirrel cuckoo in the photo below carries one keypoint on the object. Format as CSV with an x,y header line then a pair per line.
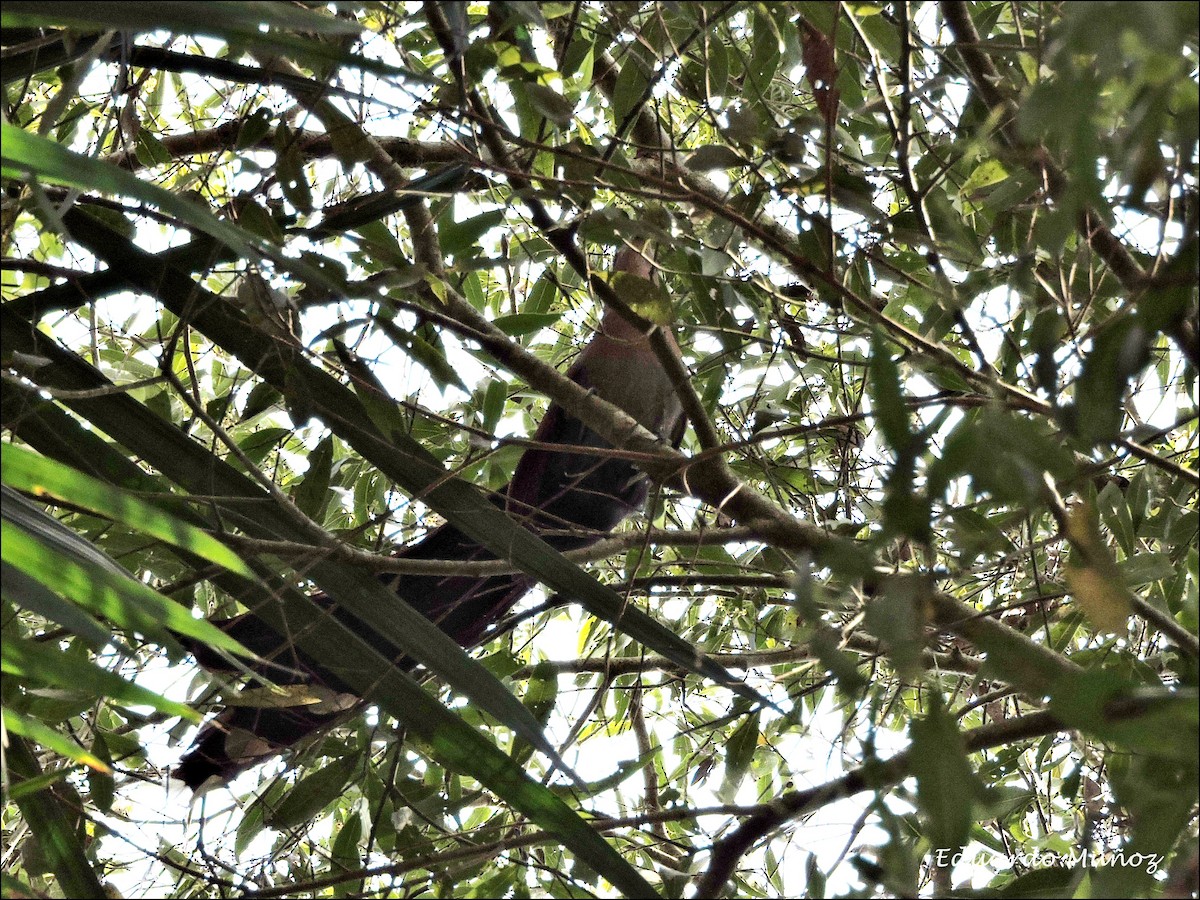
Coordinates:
x,y
579,495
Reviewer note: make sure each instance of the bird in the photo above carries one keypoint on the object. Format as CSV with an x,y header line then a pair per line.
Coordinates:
x,y
572,498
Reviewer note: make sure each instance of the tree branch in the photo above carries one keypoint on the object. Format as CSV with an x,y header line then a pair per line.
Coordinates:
x,y
310,144
875,775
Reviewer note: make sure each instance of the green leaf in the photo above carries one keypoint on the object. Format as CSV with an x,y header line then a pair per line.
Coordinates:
x,y
312,495
45,664
252,823
24,154
718,68
262,441
739,752
1147,568
120,598
946,784
43,734
42,476
550,103
1118,352
1165,726
150,150
520,324
344,855
986,174
493,404
541,692
25,789
313,793
765,54
254,218
262,397
714,156
101,785
631,85
56,831
293,181
887,401
459,237
1005,454
254,129
35,597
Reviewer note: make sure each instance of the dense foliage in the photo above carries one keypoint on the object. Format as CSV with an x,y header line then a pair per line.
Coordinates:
x,y
280,279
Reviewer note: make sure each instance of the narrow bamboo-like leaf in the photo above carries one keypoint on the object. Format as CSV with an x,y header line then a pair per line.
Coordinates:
x,y
49,819
887,401
49,53
43,734
24,515
25,154
946,784
101,785
312,495
313,793
37,598
541,692
36,784
231,21
120,598
344,855
520,324
38,475
44,664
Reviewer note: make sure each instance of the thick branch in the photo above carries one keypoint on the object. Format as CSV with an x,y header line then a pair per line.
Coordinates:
x,y
729,850
987,82
310,144
860,643
486,567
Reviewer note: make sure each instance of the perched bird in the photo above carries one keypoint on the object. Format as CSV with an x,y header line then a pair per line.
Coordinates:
x,y
572,498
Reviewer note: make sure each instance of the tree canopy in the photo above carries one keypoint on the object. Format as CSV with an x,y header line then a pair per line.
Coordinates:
x,y
912,611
